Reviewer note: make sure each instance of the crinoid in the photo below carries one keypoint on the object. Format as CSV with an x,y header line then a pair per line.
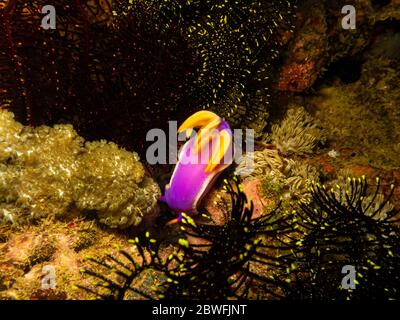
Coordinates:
x,y
235,42
115,69
228,262
231,259
347,228
142,275
111,77
46,73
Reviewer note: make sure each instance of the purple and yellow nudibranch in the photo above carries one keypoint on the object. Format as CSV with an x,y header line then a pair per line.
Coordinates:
x,y
200,161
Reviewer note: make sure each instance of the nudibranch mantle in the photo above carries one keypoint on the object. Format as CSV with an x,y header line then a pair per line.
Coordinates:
x,y
200,161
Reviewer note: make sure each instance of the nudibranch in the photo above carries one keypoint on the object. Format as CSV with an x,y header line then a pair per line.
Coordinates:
x,y
202,158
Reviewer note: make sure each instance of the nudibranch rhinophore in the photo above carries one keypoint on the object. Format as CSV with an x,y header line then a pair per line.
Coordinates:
x,y
200,161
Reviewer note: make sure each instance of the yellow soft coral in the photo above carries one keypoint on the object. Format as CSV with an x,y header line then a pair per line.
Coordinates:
x,y
52,171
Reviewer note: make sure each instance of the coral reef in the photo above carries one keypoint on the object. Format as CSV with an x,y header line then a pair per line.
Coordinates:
x,y
351,89
114,69
290,180
260,163
51,172
370,102
65,246
375,204
342,228
284,175
303,66
300,175
321,43
43,250
228,258
297,133
278,255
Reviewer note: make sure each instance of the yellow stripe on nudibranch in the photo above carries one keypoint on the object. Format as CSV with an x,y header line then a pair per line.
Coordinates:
x,y
205,134
223,143
208,122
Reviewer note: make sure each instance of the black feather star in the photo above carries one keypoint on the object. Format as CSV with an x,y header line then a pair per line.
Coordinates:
x,y
346,227
225,266
122,277
293,255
